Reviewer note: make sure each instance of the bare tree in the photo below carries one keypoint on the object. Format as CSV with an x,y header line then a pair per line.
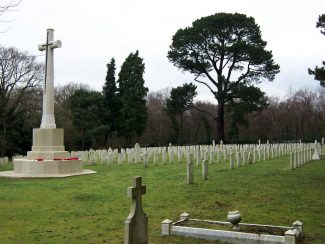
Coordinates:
x,y
157,130
20,73
5,7
63,116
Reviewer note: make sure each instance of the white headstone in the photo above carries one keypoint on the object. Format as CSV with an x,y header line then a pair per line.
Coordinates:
x,y
189,173
205,169
137,153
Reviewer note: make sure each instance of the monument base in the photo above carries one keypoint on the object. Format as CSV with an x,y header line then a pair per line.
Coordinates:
x,y
47,144
48,158
24,168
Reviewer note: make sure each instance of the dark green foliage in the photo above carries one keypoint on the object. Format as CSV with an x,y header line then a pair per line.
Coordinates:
x,y
319,72
63,116
321,23
180,100
111,100
250,99
246,100
132,93
87,109
225,50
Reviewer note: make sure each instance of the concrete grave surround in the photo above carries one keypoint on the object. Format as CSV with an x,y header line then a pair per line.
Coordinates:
x,y
48,157
292,235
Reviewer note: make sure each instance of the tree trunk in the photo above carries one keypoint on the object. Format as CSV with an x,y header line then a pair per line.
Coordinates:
x,y
82,141
220,122
3,139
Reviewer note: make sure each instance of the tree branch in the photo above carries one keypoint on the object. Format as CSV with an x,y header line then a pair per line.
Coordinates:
x,y
204,83
204,111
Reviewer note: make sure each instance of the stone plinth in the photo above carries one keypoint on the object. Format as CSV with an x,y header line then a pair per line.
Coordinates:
x,y
47,144
23,166
47,159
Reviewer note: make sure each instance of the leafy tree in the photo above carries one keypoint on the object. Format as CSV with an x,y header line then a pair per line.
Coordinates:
x,y
19,75
180,100
319,72
132,92
321,23
225,52
63,116
111,101
250,99
87,109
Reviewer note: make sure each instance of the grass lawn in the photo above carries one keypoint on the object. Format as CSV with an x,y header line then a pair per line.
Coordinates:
x,y
93,208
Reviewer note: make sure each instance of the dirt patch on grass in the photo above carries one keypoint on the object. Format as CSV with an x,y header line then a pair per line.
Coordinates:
x,y
220,205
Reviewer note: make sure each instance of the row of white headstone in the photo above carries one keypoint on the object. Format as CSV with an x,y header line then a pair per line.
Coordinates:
x,y
237,155
298,157
304,155
4,160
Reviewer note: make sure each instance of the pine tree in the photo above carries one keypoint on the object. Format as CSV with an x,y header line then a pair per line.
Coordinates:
x,y
132,93
111,101
319,72
224,52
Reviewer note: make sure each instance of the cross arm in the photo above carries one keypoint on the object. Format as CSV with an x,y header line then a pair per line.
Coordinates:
x,y
54,44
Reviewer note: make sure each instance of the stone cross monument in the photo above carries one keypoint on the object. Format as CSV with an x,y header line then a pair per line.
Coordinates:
x,y
136,224
48,157
48,120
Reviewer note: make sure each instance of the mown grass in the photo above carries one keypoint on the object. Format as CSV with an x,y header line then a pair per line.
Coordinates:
x,y
93,208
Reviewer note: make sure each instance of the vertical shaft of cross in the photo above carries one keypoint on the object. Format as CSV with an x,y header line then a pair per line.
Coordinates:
x,y
48,120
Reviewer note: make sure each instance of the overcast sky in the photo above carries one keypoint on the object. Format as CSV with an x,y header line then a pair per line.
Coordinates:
x,y
92,32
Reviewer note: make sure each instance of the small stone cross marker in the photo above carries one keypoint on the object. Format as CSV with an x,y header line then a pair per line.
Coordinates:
x,y
136,224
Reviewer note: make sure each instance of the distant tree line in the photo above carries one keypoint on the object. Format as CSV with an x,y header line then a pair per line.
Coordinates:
x,y
299,115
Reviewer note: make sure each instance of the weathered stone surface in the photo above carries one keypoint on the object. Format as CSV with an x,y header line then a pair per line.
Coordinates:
x,y
184,216
165,227
136,224
205,169
48,120
189,173
47,143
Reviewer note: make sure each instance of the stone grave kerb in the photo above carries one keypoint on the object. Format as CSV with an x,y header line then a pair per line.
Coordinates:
x,y
136,224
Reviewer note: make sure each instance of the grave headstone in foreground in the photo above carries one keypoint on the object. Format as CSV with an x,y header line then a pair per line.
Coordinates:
x,y
136,224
